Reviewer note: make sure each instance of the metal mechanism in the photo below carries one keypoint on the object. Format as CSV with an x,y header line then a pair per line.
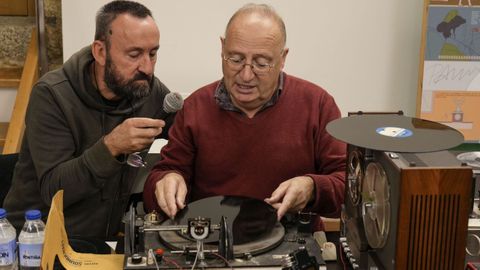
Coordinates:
x,y
198,241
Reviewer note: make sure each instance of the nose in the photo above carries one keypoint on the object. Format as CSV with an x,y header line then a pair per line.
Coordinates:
x,y
246,73
147,64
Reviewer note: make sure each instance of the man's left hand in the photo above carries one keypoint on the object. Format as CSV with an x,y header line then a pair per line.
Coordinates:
x,y
292,195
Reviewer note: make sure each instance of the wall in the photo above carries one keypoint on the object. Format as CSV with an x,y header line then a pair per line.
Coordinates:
x,y
365,53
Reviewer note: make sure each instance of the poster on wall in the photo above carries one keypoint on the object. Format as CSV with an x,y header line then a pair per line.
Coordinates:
x,y
450,88
456,2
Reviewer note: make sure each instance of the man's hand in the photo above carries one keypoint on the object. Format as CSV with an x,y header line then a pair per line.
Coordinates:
x,y
133,135
292,195
170,192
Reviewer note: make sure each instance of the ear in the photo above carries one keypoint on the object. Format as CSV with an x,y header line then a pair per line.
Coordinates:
x,y
284,57
222,44
99,52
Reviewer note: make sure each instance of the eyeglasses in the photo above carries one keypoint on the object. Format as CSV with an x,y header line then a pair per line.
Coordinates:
x,y
237,64
136,160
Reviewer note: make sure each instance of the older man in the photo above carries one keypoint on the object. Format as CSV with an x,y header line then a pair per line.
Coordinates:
x,y
258,132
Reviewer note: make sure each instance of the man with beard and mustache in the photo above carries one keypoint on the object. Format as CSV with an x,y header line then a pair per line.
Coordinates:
x,y
85,118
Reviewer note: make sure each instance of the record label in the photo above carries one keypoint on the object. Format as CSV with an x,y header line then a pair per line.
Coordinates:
x,y
396,132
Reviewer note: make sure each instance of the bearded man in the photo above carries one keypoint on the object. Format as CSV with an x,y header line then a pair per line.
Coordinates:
x,y
84,120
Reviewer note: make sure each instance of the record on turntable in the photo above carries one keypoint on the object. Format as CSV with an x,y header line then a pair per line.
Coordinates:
x,y
220,232
471,158
395,133
252,222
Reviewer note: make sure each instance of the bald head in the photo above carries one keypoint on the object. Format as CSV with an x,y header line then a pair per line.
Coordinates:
x,y
261,14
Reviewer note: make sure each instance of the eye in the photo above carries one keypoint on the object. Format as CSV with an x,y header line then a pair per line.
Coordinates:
x,y
262,62
134,54
262,65
235,60
153,53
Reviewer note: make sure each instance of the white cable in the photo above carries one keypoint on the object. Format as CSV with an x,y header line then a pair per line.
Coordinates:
x,y
198,252
150,252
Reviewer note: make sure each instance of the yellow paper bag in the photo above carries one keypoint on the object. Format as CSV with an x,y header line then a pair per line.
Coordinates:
x,y
56,244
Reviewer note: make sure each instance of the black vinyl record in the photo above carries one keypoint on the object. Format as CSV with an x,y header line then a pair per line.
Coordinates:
x,y
396,133
252,222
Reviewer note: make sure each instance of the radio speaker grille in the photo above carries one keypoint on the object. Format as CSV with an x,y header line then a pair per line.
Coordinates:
x,y
433,219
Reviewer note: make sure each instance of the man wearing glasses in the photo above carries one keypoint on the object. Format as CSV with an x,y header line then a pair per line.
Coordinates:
x,y
258,132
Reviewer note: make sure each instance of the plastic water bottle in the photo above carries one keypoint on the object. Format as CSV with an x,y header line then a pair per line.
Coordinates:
x,y
8,243
30,241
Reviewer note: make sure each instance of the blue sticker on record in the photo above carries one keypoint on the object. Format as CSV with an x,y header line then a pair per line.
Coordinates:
x,y
395,132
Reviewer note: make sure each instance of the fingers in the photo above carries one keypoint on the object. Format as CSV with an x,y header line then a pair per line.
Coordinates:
x,y
277,194
275,199
285,206
162,203
143,122
134,134
291,195
145,127
181,194
170,192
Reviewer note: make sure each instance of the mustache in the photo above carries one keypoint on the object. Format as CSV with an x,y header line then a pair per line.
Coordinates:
x,y
141,76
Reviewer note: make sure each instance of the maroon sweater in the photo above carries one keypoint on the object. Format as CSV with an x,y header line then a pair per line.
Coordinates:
x,y
221,152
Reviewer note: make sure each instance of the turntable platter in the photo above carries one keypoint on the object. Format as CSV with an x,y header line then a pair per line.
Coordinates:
x,y
471,158
253,224
396,133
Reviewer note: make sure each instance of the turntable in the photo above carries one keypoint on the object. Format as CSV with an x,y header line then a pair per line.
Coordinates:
x,y
406,201
472,159
220,232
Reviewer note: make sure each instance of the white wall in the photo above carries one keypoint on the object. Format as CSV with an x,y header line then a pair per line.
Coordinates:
x,y
365,53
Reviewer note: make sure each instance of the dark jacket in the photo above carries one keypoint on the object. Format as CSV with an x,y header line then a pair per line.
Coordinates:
x,y
63,148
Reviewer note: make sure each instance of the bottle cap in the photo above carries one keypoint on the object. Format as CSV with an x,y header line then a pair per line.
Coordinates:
x,y
3,213
33,214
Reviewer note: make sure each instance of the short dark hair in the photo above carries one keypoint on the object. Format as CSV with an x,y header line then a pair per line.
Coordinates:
x,y
110,11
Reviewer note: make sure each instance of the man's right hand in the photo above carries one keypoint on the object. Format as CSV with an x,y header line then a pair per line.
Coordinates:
x,y
170,192
133,135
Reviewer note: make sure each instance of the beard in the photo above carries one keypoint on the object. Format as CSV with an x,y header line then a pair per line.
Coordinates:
x,y
137,87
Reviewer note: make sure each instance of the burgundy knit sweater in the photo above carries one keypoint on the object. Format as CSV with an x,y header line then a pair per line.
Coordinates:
x,y
221,152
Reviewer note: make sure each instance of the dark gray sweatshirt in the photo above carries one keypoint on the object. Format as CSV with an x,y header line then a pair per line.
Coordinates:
x,y
63,149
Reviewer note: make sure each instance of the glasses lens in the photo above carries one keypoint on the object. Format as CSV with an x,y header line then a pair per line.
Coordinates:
x,y
261,68
238,65
135,160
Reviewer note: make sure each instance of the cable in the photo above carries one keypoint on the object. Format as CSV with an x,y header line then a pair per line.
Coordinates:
x,y
199,249
223,259
341,258
150,252
171,261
